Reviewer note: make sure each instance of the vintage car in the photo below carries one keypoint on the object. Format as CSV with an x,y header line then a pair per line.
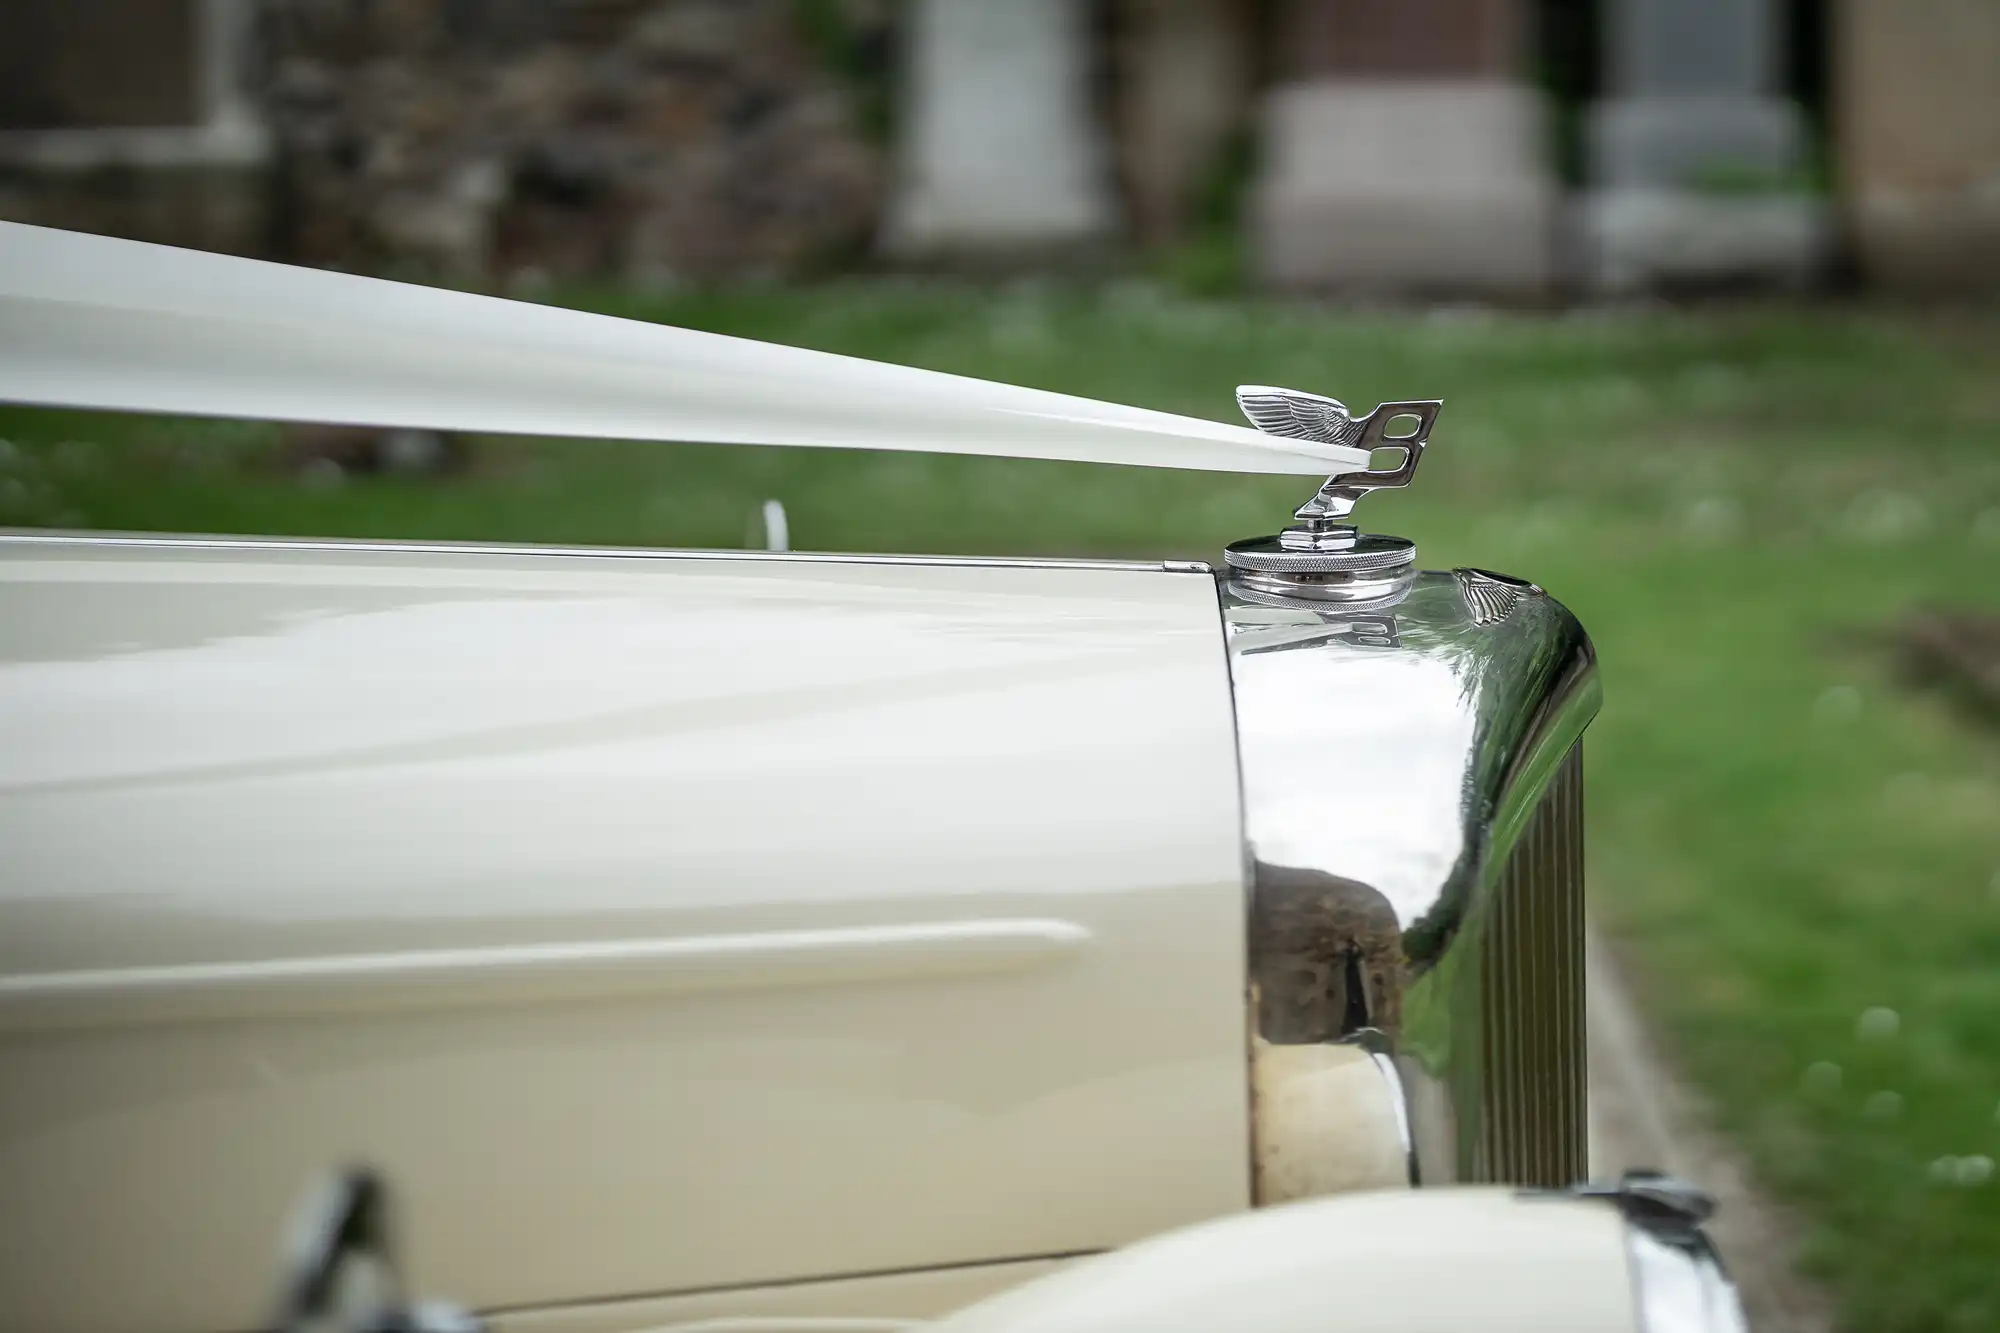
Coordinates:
x,y
761,938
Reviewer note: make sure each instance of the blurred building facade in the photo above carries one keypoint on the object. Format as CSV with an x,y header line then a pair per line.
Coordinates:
x,y
1515,149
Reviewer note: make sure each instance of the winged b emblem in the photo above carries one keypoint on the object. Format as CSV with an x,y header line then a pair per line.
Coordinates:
x,y
1308,416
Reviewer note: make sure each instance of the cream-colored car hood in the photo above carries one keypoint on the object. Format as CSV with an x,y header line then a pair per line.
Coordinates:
x,y
653,922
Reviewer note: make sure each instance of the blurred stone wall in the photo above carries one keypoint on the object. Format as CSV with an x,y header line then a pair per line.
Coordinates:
x,y
656,139
1366,145
1918,117
133,118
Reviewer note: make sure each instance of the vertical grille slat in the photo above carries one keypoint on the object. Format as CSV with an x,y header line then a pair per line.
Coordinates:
x,y
1531,985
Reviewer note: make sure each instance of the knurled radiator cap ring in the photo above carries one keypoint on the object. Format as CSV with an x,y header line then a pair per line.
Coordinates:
x,y
1368,553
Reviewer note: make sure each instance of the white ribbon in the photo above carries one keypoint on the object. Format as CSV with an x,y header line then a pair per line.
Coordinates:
x,y
88,321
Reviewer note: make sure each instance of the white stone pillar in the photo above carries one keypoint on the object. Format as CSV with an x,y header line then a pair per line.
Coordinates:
x,y
1403,153
1000,148
1694,159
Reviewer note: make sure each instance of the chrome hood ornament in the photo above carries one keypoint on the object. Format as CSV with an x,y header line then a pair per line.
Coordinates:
x,y
1319,557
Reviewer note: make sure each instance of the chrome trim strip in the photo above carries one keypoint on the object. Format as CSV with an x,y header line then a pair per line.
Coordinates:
x,y
533,1317
204,542
1679,1284
426,979
1681,1288
1393,755
1392,1077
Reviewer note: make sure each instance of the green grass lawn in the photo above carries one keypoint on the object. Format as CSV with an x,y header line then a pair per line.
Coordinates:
x,y
1782,838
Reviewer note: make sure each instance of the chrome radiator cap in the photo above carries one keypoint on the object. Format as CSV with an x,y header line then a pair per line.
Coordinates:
x,y
1320,557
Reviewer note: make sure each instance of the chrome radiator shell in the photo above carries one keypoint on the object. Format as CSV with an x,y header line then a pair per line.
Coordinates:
x,y
1413,819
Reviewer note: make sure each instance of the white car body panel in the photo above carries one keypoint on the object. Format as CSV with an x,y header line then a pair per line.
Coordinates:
x,y
878,1303
1409,1261
655,923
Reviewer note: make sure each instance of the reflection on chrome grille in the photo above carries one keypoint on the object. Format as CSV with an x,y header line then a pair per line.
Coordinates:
x,y
1532,1037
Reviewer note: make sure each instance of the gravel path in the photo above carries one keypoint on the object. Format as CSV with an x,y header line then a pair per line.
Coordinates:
x,y
1642,1116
